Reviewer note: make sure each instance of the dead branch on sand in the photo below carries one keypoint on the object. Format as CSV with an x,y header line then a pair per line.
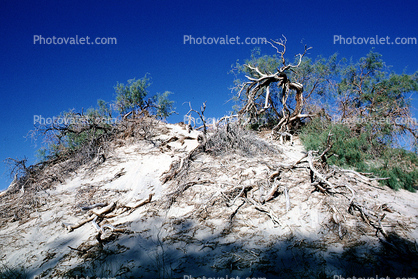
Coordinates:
x,y
98,217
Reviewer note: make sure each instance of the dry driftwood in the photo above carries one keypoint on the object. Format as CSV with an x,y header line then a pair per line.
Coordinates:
x,y
267,210
104,210
73,227
321,182
271,193
140,203
104,213
179,165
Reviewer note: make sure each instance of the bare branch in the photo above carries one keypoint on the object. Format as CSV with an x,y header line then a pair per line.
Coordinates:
x,y
282,43
255,86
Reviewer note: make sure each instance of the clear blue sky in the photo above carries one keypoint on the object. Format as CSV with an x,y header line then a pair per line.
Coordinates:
x,y
47,79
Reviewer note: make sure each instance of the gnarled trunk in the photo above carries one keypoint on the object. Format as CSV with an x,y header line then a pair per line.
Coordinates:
x,y
255,86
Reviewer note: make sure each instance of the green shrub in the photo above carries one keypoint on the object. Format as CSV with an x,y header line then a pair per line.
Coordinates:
x,y
401,167
363,152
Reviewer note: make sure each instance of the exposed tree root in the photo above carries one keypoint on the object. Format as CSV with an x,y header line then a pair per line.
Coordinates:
x,y
104,213
322,183
327,180
181,165
265,209
172,197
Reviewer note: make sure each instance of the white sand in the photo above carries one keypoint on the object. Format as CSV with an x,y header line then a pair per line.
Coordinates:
x,y
168,242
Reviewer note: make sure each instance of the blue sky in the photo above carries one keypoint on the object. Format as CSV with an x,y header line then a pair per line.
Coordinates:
x,y
48,79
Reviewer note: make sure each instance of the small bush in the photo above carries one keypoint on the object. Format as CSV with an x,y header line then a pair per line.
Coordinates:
x,y
401,167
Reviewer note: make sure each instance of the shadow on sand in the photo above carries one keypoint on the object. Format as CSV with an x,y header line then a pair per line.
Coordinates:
x,y
182,254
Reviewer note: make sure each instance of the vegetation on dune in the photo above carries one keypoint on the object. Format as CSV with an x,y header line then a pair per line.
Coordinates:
x,y
75,132
372,125
362,104
365,106
398,166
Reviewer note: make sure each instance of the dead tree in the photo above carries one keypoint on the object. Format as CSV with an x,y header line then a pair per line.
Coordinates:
x,y
261,82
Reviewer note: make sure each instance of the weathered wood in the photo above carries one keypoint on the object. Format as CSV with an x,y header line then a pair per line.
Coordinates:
x,y
140,203
105,210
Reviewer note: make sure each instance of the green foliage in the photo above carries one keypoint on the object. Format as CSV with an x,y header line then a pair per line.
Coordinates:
x,y
266,64
83,133
41,154
357,151
368,103
401,167
104,108
365,92
131,97
375,98
78,130
164,106
317,76
350,151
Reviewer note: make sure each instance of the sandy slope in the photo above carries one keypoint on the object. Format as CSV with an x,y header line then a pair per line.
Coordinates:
x,y
207,230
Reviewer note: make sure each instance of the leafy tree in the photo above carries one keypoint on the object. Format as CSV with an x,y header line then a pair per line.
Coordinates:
x,y
104,108
369,129
318,77
71,132
352,150
83,133
131,97
265,63
373,100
